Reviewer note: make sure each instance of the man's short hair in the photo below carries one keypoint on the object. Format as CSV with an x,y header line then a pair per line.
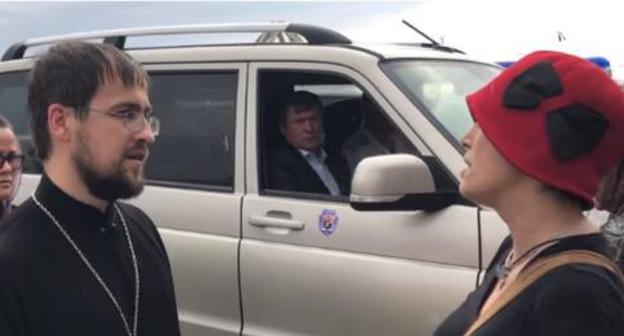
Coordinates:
x,y
299,101
70,73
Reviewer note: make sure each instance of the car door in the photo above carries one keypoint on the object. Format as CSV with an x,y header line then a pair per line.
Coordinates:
x,y
311,265
195,188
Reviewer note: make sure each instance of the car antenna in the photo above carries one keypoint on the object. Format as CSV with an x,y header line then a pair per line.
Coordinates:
x,y
433,42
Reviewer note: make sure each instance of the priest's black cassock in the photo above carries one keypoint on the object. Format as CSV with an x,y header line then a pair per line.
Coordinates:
x,y
46,288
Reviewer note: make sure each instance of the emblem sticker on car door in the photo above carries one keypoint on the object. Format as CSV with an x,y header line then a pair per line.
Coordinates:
x,y
328,221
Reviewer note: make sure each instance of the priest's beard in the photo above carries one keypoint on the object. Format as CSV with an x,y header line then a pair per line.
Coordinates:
x,y
107,186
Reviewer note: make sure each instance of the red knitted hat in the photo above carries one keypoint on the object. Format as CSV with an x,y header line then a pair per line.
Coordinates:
x,y
557,118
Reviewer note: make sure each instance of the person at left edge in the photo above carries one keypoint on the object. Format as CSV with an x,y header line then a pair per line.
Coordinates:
x,y
11,162
74,260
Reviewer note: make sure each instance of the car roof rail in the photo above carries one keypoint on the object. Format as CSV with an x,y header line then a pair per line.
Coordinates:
x,y
274,32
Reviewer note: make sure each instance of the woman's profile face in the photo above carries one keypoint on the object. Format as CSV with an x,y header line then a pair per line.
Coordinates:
x,y
488,175
10,169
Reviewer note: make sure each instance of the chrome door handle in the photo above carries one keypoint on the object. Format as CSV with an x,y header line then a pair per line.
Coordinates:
x,y
263,221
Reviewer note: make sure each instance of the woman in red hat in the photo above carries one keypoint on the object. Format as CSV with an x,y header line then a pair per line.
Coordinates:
x,y
546,130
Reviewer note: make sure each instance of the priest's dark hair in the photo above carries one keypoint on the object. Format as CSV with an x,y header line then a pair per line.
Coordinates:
x,y
70,73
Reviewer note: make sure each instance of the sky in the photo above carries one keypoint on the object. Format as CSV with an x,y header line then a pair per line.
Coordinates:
x,y
494,30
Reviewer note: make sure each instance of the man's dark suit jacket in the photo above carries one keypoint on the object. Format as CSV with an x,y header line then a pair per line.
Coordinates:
x,y
289,170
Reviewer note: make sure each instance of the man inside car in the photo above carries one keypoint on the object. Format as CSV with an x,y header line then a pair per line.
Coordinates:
x,y
302,164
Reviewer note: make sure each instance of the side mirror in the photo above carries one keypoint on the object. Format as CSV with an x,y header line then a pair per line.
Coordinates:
x,y
397,182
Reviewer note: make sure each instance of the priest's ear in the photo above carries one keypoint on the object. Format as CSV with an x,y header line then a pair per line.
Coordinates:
x,y
60,121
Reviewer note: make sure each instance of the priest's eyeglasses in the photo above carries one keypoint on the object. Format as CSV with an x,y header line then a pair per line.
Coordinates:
x,y
133,119
14,159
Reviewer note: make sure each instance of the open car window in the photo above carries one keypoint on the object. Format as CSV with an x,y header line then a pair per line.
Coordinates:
x,y
353,127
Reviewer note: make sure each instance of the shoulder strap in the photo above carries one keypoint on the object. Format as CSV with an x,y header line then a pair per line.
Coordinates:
x,y
536,271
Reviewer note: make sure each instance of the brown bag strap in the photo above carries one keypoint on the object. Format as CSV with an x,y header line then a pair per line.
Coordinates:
x,y
536,271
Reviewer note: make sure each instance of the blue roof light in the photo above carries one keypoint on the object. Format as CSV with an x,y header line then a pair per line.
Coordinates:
x,y
600,61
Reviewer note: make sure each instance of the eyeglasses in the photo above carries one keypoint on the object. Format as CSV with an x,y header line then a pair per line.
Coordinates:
x,y
133,119
15,160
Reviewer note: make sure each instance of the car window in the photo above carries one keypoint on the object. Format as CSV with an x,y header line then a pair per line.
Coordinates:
x,y
441,88
13,105
353,127
195,146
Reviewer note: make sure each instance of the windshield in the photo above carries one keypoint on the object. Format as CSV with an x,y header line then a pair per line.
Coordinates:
x,y
440,87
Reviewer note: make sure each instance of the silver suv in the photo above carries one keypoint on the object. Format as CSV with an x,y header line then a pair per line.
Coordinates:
x,y
251,260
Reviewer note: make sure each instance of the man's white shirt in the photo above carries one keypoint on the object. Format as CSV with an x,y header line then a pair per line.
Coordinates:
x,y
318,164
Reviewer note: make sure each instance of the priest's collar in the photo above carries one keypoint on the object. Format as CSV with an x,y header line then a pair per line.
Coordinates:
x,y
67,209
